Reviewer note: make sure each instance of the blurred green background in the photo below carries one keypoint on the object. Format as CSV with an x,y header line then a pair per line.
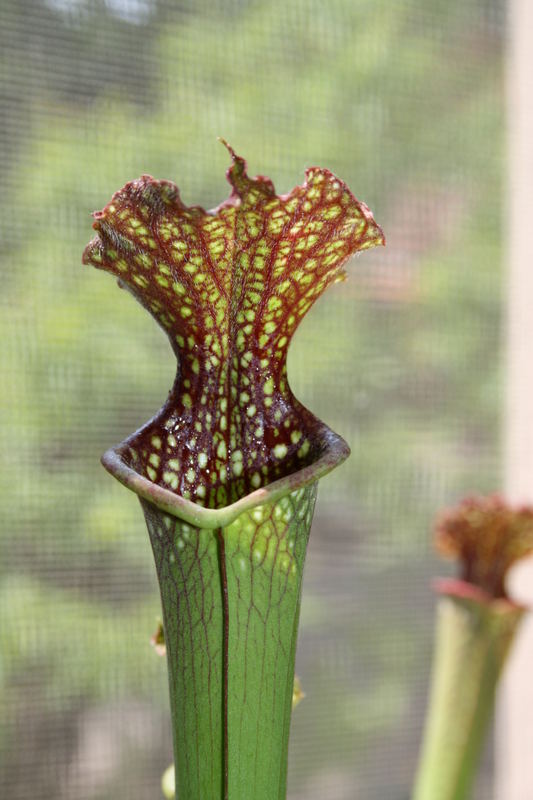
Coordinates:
x,y
404,101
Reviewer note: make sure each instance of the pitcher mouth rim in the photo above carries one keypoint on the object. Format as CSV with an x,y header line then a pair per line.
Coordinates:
x,y
335,451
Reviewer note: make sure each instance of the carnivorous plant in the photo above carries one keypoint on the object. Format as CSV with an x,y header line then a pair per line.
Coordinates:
x,y
227,470
476,624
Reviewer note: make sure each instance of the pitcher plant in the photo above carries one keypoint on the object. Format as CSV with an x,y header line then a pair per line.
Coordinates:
x,y
227,470
477,622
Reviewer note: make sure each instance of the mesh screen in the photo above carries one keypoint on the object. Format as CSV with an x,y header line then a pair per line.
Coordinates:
x,y
402,100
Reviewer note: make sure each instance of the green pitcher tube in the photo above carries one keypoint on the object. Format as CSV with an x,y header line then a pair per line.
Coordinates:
x,y
230,593
472,640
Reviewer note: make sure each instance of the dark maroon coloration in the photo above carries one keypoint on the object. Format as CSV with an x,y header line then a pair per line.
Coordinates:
x,y
229,287
487,536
